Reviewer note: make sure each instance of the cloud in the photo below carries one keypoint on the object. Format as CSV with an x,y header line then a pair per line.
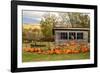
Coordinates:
x,y
32,16
36,14
30,20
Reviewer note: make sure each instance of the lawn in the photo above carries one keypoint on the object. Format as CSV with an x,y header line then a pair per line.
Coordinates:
x,y
32,57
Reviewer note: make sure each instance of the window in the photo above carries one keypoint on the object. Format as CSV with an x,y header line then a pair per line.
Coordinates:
x,y
80,35
72,35
64,36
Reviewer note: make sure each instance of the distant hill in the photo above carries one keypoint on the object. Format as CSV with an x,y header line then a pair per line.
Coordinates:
x,y
31,26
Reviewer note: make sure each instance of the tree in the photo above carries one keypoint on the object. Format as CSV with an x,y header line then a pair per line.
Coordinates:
x,y
79,19
25,33
64,20
35,35
47,24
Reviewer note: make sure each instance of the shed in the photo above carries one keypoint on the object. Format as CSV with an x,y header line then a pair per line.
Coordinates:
x,y
63,34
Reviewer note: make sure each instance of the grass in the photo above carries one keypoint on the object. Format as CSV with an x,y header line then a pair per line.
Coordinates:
x,y
32,57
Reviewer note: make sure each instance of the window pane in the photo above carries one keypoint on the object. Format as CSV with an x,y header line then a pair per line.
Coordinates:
x,y
72,35
61,35
79,35
64,35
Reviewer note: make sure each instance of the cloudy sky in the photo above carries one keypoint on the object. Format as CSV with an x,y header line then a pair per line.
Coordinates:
x,y
32,16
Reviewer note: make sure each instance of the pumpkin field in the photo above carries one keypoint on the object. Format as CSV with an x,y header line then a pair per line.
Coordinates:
x,y
51,52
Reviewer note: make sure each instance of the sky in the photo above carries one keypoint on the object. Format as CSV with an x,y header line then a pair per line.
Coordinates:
x,y
32,17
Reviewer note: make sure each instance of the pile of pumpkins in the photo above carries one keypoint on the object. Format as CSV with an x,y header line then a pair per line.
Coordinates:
x,y
70,48
57,50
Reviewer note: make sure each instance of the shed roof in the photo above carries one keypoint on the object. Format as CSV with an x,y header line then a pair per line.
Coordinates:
x,y
59,28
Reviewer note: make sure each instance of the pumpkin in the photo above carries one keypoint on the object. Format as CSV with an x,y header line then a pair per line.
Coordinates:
x,y
40,52
58,51
67,51
35,49
75,51
27,50
84,50
31,50
50,51
44,52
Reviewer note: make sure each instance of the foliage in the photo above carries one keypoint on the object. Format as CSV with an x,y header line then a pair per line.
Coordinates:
x,y
47,23
79,19
31,34
64,20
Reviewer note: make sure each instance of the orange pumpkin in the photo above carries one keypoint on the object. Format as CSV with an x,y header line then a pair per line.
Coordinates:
x,y
35,50
84,50
50,51
67,51
31,50
75,51
27,50
44,52
58,51
40,52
